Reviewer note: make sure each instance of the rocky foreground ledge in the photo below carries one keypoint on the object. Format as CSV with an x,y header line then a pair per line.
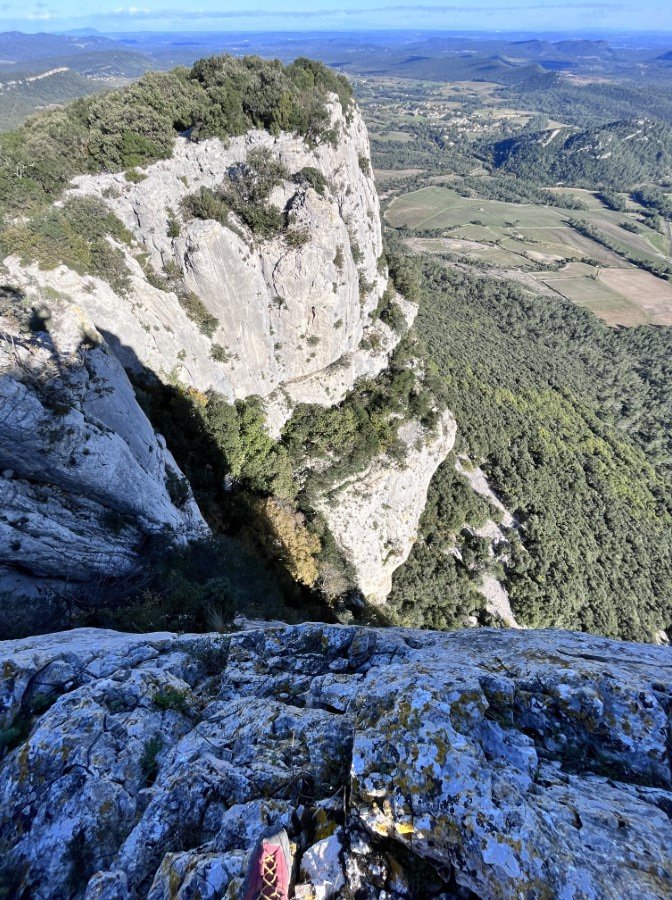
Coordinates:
x,y
403,763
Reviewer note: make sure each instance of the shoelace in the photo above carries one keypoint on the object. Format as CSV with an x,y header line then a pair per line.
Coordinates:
x,y
269,877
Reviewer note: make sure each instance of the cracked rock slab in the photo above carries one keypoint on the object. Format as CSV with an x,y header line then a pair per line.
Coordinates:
x,y
418,764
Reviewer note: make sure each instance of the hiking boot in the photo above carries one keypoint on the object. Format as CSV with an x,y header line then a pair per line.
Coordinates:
x,y
270,867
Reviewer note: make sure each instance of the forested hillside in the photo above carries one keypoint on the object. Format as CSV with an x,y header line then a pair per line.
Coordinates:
x,y
618,155
573,423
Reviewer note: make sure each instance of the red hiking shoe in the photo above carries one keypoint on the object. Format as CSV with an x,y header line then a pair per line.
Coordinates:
x,y
270,867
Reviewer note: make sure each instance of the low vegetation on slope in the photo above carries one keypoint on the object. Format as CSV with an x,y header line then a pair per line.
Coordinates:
x,y
572,421
217,97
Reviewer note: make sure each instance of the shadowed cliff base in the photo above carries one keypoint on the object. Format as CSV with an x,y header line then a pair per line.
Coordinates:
x,y
111,568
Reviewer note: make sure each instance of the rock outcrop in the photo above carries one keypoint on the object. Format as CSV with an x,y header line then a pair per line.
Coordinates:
x,y
84,480
285,313
403,764
374,515
290,322
496,596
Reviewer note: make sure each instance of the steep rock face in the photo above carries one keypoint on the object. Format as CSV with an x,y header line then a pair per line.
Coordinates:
x,y
403,764
285,313
374,516
85,480
294,324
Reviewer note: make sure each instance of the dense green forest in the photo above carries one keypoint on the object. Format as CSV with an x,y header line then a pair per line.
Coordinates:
x,y
573,423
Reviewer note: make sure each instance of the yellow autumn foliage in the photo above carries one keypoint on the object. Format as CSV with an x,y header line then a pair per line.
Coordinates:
x,y
297,546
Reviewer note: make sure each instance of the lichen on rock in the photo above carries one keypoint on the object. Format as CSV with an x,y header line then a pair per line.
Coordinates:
x,y
402,763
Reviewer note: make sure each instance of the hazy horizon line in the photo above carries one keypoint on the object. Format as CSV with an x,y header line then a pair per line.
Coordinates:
x,y
461,32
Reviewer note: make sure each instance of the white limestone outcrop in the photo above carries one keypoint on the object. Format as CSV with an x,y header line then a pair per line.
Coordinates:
x,y
374,515
286,314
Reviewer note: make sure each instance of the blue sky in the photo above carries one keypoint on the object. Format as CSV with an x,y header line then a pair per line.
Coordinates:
x,y
295,15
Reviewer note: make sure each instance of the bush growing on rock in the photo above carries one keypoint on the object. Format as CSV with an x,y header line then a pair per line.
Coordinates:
x,y
404,272
170,697
394,318
298,546
312,177
248,188
198,312
76,235
219,353
218,97
206,204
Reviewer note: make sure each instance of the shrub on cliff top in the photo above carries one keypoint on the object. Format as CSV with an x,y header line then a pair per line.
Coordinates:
x,y
76,235
218,97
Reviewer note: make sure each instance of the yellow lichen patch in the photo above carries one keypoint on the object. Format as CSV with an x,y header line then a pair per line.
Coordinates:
x,y
106,807
324,826
462,709
23,760
441,749
381,827
409,717
174,883
449,831
404,827
8,669
383,823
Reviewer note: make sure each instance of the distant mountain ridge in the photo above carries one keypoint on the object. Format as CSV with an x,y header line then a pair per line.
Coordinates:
x,y
17,47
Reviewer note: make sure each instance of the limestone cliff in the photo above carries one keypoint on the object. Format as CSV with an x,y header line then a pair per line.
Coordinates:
x,y
292,321
374,515
85,481
403,764
284,314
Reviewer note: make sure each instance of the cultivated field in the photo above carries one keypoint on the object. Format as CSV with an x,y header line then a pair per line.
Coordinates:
x,y
576,283
652,295
388,174
506,234
470,249
519,237
440,207
618,296
638,246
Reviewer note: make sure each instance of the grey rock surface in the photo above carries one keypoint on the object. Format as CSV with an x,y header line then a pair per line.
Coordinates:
x,y
84,480
402,763
374,515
